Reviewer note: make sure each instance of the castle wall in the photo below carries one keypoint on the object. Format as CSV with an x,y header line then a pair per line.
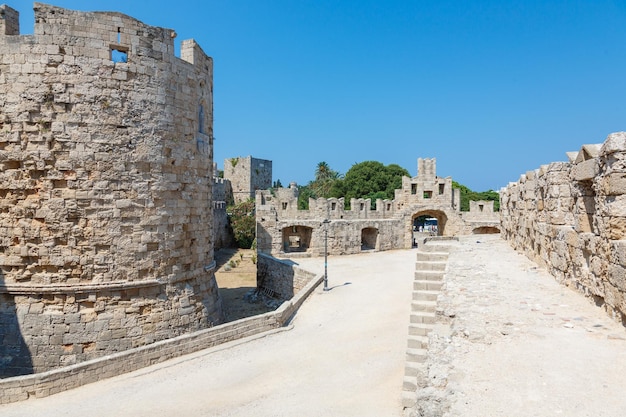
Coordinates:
x,y
105,190
283,229
571,218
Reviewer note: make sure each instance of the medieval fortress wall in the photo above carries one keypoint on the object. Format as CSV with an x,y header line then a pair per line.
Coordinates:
x,y
283,229
105,185
571,218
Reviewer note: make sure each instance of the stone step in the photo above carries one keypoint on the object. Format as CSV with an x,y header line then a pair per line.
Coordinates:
x,y
430,266
431,256
420,329
417,342
425,295
429,275
409,384
427,285
423,306
413,369
436,247
409,399
416,355
422,317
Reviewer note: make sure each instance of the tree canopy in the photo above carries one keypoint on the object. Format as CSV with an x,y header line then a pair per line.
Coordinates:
x,y
468,195
370,179
243,222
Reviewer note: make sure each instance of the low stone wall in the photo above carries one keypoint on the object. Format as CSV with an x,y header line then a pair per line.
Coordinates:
x,y
571,218
280,278
47,383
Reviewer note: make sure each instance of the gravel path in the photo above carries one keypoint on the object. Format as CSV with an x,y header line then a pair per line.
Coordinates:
x,y
517,343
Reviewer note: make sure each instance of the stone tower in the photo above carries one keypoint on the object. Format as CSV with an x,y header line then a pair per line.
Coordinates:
x,y
247,175
105,188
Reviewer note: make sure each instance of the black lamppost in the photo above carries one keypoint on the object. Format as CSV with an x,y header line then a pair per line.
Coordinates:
x,y
326,223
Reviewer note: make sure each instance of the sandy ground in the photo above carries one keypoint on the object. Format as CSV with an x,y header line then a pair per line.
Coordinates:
x,y
236,276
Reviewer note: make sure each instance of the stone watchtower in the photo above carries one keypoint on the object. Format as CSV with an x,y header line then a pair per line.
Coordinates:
x,y
105,188
247,175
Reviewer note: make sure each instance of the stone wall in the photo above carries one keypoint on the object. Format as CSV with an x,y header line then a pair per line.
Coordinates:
x,y
284,230
105,188
571,218
281,279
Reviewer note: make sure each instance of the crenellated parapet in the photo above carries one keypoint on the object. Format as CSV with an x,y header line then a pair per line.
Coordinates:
x,y
571,217
284,229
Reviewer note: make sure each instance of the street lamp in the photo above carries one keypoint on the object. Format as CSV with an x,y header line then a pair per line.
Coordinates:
x,y
326,223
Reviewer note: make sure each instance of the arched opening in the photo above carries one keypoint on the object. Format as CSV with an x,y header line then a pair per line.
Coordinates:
x,y
297,238
428,223
369,238
486,230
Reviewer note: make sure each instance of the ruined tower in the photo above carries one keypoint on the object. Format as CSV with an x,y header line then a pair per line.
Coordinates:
x,y
105,188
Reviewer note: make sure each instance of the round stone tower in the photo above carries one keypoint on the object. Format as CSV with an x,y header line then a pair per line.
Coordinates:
x,y
105,188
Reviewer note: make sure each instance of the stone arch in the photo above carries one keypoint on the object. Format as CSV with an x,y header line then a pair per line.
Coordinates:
x,y
297,238
486,230
369,238
439,215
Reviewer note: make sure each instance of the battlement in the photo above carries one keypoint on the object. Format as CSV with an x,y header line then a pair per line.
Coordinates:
x,y
283,228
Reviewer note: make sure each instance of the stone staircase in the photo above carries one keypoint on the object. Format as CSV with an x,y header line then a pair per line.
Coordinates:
x,y
430,267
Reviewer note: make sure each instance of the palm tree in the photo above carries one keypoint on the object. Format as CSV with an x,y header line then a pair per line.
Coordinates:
x,y
325,177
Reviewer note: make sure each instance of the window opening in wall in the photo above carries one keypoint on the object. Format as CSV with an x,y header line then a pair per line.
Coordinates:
x,y
428,194
441,188
413,188
284,206
119,54
333,206
388,206
119,35
362,206
480,207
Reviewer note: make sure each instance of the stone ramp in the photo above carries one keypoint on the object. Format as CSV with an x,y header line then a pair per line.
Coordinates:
x,y
430,267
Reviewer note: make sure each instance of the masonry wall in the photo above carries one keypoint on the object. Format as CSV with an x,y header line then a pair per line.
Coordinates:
x,y
105,189
571,218
281,279
247,175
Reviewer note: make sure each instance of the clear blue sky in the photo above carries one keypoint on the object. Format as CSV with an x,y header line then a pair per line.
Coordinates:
x,y
492,89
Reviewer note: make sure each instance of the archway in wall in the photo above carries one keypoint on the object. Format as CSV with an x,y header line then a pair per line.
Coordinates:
x,y
297,238
369,238
486,230
428,223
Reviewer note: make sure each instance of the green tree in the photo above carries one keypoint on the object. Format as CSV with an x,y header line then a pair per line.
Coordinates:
x,y
243,222
304,193
370,179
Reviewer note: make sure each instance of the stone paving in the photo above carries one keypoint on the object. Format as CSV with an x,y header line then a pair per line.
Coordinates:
x,y
511,341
